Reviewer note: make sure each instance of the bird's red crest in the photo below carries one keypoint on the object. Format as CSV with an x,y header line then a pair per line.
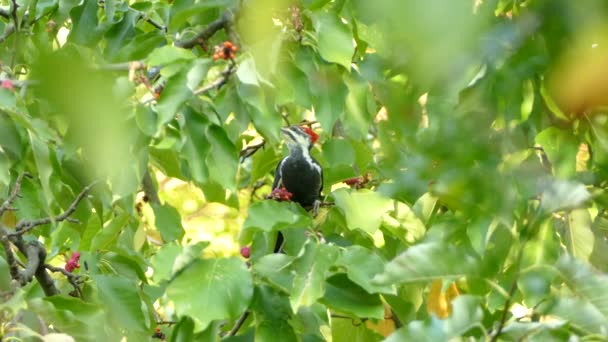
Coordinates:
x,y
313,136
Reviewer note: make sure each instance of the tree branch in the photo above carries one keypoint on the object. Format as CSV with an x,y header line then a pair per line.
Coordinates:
x,y
239,323
250,150
149,189
217,84
74,279
10,257
14,8
220,23
11,198
25,226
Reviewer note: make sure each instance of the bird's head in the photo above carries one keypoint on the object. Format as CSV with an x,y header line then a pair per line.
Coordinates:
x,y
299,137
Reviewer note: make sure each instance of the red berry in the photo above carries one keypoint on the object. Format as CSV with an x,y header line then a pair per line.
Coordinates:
x,y
234,48
7,84
157,329
216,56
245,252
228,44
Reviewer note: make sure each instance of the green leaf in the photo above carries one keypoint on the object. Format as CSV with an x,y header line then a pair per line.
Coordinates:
x,y
222,160
168,221
561,194
361,266
5,173
328,88
169,54
589,310
264,162
311,268
43,164
123,302
579,236
8,101
276,270
345,329
271,216
183,331
224,289
272,316
247,73
427,261
147,120
109,232
197,146
335,39
81,320
466,315
84,24
5,277
345,296
363,209
163,261
173,96
561,148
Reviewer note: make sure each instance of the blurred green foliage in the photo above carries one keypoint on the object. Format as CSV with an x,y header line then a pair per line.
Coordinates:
x,y
474,135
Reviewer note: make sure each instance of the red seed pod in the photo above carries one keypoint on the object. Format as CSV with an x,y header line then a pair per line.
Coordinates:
x,y
245,252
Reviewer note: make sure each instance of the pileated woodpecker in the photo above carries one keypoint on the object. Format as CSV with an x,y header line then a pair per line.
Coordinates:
x,y
299,173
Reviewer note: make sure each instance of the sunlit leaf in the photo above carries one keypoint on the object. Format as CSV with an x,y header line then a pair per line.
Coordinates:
x,y
362,209
335,38
224,290
427,261
311,268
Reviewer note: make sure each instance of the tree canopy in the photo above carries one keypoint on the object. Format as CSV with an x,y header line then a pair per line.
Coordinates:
x,y
464,146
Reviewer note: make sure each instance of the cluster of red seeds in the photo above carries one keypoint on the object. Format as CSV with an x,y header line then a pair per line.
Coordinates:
x,y
73,264
281,194
225,50
358,182
7,84
159,334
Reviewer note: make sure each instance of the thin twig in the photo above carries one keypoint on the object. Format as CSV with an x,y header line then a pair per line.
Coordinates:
x,y
217,84
14,14
166,322
127,66
208,32
11,198
25,226
239,324
10,257
74,279
250,150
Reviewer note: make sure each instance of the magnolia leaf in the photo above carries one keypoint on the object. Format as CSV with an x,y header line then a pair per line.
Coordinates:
x,y
335,38
272,215
363,209
561,194
224,289
311,268
427,261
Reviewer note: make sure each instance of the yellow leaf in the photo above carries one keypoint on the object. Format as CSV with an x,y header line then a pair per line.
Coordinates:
x,y
438,301
384,327
9,219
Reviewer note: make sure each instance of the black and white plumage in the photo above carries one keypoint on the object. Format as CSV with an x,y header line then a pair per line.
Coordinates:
x,y
299,173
